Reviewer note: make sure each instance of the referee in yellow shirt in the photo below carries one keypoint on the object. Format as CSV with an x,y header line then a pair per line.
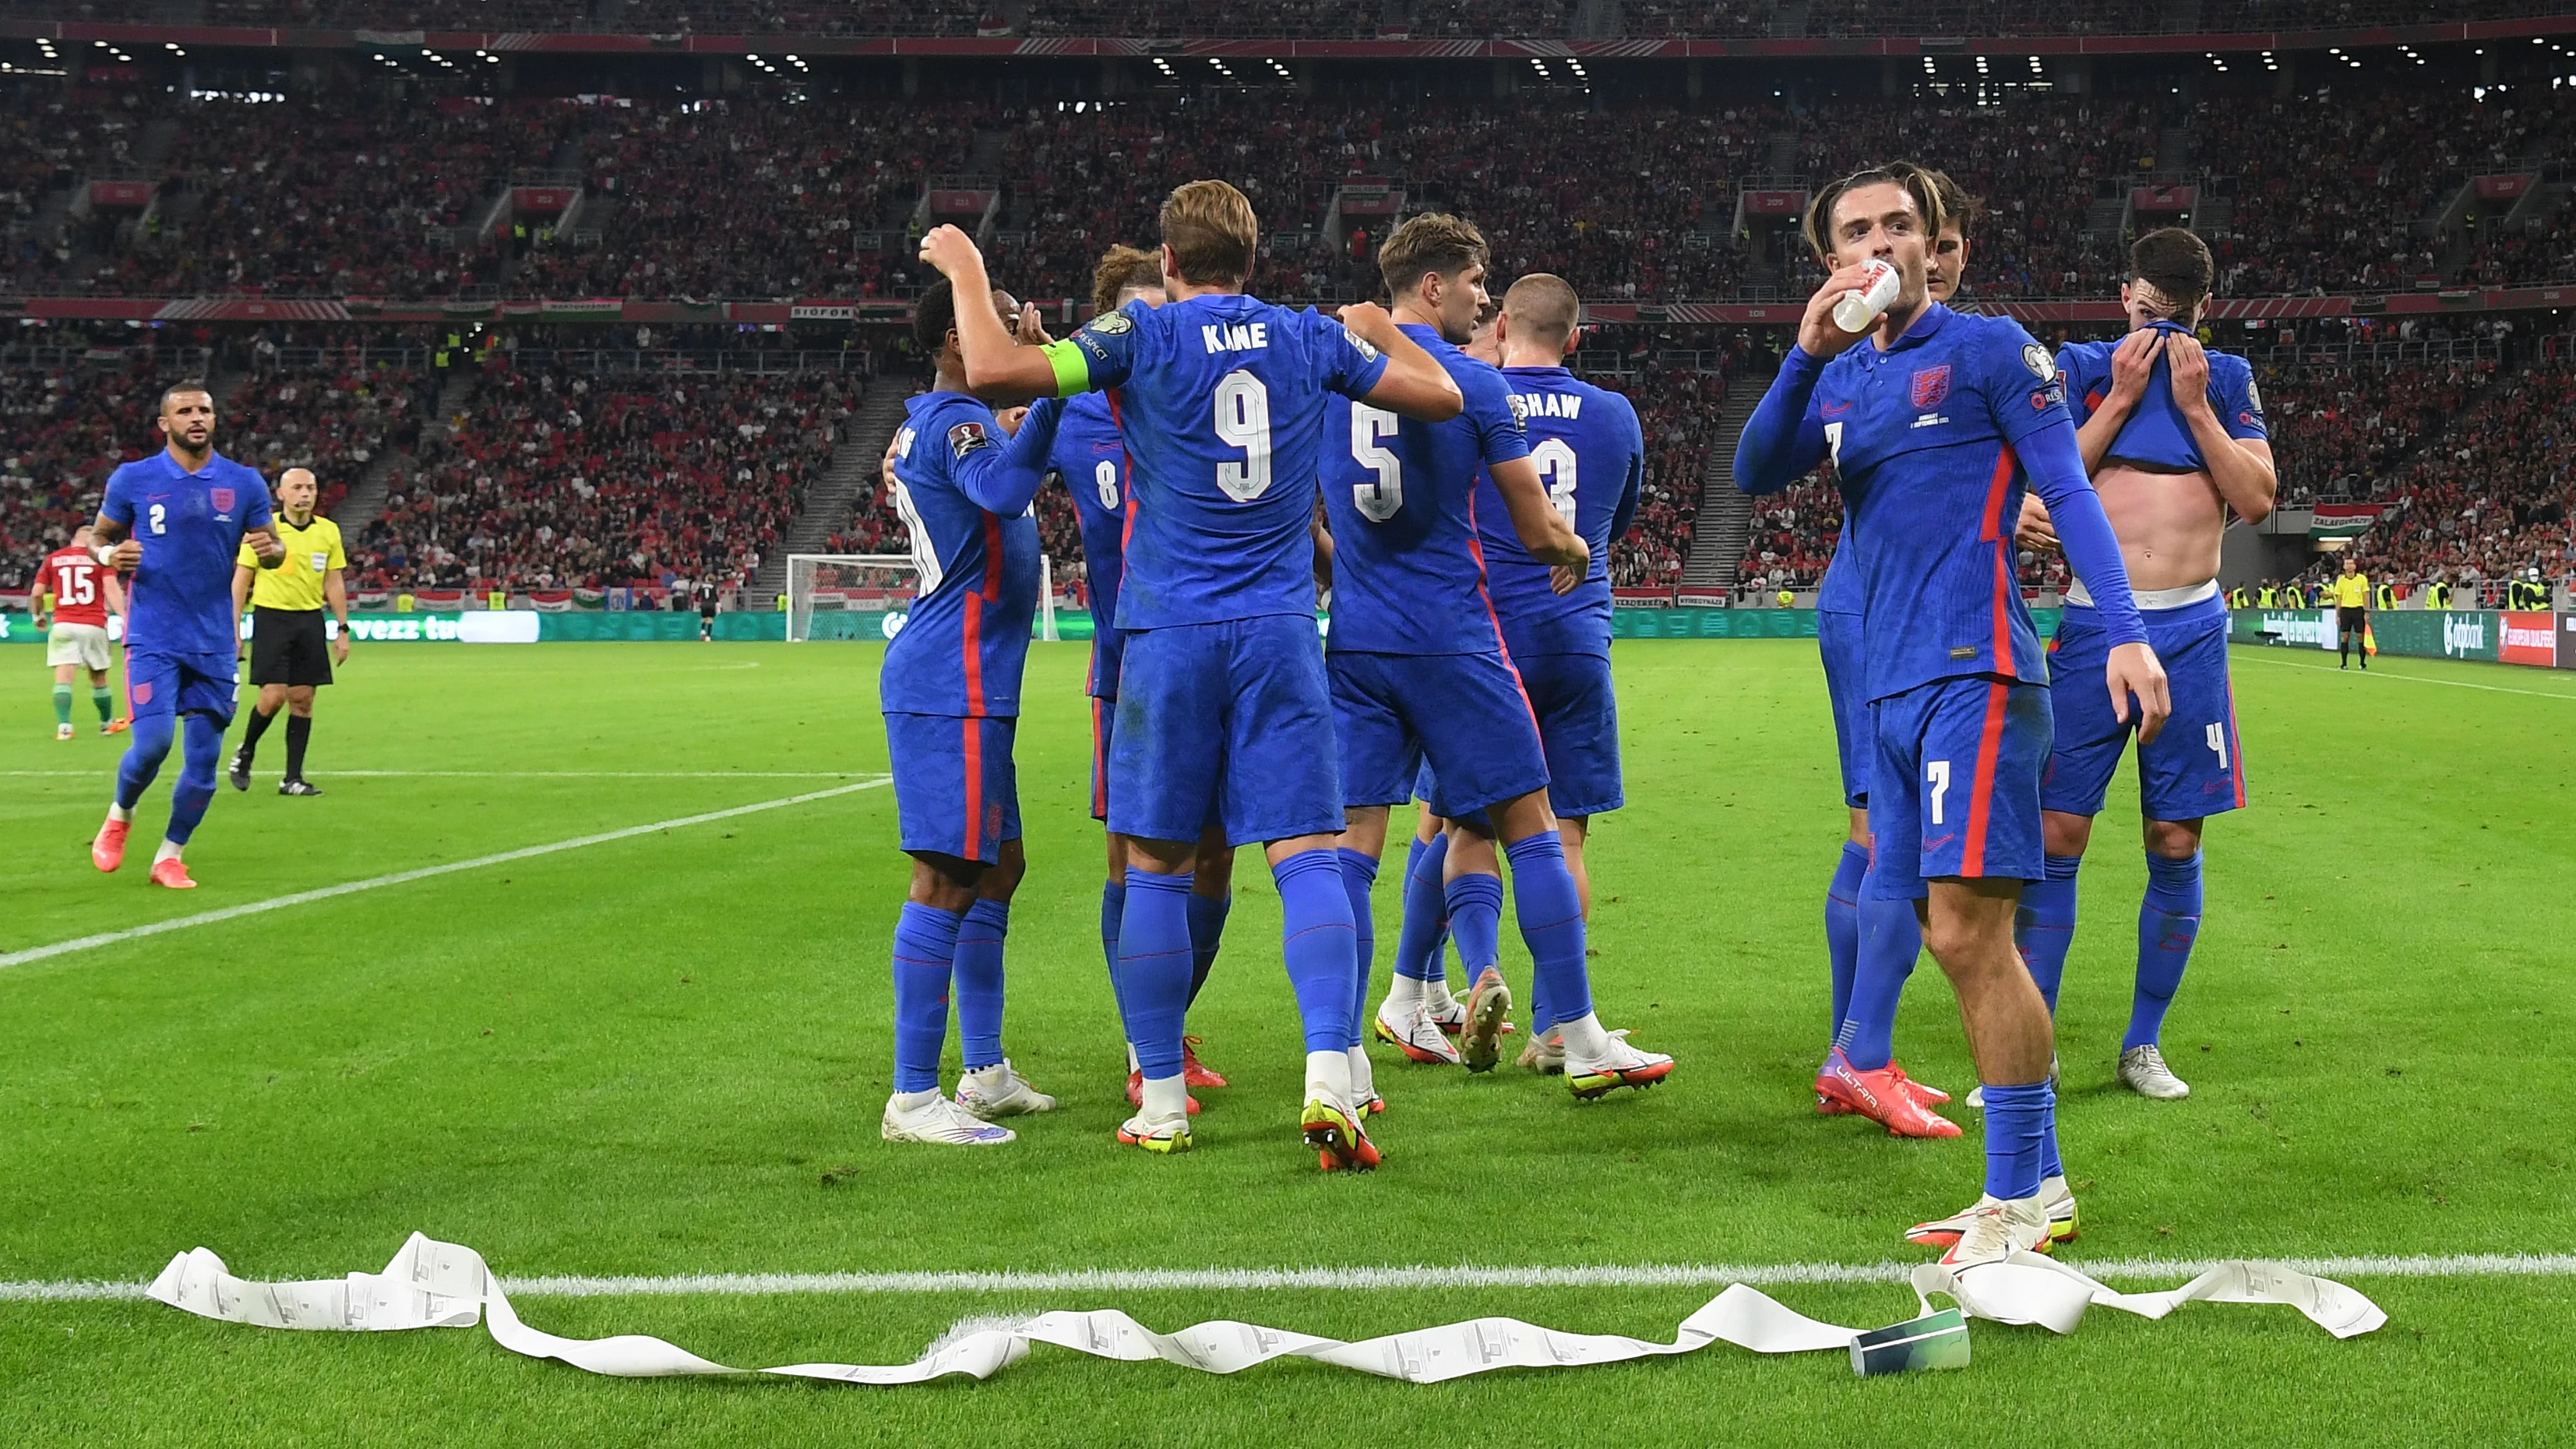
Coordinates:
x,y
2351,590
289,655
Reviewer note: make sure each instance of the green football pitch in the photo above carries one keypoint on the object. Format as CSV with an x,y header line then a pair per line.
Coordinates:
x,y
664,1053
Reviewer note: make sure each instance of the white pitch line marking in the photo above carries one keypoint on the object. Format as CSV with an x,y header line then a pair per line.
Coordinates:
x,y
252,908
1370,1280
2410,678
518,774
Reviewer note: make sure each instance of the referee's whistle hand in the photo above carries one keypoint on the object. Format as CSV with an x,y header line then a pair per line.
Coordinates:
x,y
2135,670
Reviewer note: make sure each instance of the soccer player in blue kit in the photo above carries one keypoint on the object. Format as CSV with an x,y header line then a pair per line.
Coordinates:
x,y
1589,454
2174,437
1091,460
1934,426
1873,943
950,689
1223,709
1419,670
188,511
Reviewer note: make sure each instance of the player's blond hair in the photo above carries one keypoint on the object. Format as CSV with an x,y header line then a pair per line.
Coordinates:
x,y
1212,231
1123,269
1915,181
1544,306
1434,242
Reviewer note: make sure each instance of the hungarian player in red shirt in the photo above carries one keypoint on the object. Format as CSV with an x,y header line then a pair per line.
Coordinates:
x,y
84,594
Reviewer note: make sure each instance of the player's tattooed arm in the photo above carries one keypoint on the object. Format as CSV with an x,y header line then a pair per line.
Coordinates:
x,y
265,547
998,369
1414,383
2241,468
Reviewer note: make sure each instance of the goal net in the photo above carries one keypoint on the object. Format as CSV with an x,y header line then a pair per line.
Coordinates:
x,y
868,595
849,595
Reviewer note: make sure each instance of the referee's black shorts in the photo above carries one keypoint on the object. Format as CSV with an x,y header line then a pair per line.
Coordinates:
x,y
2349,616
287,646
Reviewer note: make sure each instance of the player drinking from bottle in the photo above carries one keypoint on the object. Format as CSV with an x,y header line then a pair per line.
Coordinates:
x,y
1935,422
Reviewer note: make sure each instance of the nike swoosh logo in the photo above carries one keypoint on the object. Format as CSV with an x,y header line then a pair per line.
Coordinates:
x,y
1944,840
1835,410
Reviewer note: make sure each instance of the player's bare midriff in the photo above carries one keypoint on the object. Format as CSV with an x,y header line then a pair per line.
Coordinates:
x,y
2169,523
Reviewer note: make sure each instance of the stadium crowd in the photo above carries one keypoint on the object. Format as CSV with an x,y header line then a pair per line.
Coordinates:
x,y
2495,492
555,479
1633,202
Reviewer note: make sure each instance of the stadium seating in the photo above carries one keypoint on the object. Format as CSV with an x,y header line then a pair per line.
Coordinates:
x,y
559,479
2495,492
796,185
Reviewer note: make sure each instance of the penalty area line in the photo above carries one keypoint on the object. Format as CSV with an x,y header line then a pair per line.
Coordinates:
x,y
276,903
1376,1280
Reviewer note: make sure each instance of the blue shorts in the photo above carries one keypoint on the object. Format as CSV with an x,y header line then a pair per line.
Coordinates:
x,y
956,791
1104,723
1228,724
1578,725
1463,715
2190,768
176,684
1838,637
1956,783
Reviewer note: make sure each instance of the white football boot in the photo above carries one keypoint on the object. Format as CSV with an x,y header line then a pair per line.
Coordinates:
x,y
939,1120
2055,1198
998,1091
1995,1232
2143,1071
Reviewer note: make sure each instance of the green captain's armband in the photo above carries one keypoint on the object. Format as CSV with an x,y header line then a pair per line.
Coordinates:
x,y
1072,372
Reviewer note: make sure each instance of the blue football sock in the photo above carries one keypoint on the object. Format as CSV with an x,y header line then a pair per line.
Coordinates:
x,y
1359,880
2044,924
201,753
1207,933
2017,1123
1551,916
1113,906
2049,1164
1542,1012
1842,927
1426,910
925,943
1891,940
978,970
1154,968
1317,941
150,745
1475,904
2168,923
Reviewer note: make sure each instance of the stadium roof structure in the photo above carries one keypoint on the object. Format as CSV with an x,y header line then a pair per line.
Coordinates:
x,y
1381,48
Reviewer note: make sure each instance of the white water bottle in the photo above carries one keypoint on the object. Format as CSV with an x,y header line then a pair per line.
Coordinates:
x,y
1857,310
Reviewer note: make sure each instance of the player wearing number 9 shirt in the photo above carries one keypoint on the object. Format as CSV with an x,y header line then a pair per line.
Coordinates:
x,y
1222,707
1090,459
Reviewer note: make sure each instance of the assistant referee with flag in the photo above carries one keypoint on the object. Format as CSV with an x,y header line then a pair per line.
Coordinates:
x,y
289,654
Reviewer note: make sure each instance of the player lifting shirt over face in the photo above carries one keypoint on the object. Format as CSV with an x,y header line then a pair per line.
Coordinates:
x,y
2173,435
1223,710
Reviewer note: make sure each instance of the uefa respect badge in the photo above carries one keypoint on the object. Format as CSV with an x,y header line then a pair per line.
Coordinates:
x,y
1934,1341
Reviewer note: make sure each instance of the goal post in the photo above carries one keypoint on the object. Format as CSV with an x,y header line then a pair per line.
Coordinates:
x,y
865,595
846,590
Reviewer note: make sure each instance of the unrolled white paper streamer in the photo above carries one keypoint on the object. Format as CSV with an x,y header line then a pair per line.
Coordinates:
x,y
430,1284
